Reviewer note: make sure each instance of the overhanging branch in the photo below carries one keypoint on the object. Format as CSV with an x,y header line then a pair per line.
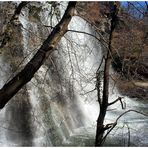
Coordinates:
x,y
16,83
112,125
118,99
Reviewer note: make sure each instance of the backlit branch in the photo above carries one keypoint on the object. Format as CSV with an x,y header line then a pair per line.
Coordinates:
x,y
112,125
118,99
48,46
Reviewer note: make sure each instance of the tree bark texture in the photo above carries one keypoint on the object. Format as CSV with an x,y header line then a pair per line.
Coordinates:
x,y
16,83
104,103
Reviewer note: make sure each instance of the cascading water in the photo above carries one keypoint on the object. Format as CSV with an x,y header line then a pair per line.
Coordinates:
x,y
57,107
131,128
65,109
5,67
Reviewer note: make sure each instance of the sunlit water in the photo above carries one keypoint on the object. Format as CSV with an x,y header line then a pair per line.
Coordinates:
x,y
63,107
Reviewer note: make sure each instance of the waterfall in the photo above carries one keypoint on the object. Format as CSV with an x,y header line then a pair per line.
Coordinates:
x,y
69,108
58,107
5,67
132,125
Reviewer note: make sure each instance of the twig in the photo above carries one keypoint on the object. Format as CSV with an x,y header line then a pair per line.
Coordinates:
x,y
97,72
118,99
136,8
115,123
128,144
18,10
76,31
88,91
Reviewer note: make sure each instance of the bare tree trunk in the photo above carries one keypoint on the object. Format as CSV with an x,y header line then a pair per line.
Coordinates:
x,y
16,83
104,102
18,10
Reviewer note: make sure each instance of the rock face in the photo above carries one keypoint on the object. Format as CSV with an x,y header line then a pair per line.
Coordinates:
x,y
17,114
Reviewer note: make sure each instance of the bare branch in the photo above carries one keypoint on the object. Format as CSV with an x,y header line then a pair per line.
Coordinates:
x,y
108,59
48,46
115,123
83,32
89,35
131,110
100,65
18,10
101,39
128,135
136,8
88,91
118,99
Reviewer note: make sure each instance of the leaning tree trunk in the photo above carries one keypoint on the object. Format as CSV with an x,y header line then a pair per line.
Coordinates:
x,y
16,83
104,101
